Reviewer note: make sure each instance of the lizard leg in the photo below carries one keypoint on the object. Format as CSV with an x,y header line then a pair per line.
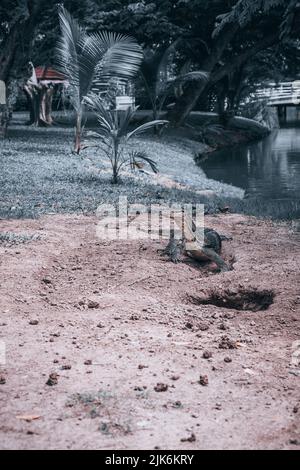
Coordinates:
x,y
225,238
167,250
213,256
175,251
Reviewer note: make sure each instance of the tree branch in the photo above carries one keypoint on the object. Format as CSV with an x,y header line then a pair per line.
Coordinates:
x,y
243,58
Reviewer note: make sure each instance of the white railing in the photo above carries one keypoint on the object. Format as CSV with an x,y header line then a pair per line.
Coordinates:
x,y
277,94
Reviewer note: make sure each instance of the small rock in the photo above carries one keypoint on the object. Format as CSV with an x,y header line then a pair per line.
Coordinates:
x,y
2,380
46,280
227,343
227,359
295,409
160,387
207,355
175,377
189,325
203,380
52,380
192,438
177,404
93,304
66,367
33,322
295,442
88,362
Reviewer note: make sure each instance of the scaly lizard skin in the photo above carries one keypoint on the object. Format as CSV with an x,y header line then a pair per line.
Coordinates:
x,y
194,246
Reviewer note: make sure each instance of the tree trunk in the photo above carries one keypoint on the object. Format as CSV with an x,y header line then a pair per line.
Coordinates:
x,y
193,91
15,51
48,106
78,131
189,99
39,99
7,56
4,119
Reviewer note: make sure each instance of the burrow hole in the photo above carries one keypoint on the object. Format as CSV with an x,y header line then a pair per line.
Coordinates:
x,y
253,300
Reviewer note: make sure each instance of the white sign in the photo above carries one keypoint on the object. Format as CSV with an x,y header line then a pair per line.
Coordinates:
x,y
2,92
124,102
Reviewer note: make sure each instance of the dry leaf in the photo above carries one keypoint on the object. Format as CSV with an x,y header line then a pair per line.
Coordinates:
x,y
28,418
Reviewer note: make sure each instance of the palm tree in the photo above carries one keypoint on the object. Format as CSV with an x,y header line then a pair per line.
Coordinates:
x,y
85,59
156,78
114,133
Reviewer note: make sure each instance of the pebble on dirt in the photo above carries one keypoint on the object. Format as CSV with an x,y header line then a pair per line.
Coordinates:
x,y
227,359
207,355
160,387
295,442
227,343
33,322
192,438
52,380
203,380
2,380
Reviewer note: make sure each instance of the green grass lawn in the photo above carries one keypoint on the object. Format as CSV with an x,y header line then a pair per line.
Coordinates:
x,y
40,174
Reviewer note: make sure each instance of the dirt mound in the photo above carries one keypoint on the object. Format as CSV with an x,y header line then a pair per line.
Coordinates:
x,y
109,323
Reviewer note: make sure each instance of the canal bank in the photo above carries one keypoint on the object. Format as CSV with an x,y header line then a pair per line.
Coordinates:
x,y
268,169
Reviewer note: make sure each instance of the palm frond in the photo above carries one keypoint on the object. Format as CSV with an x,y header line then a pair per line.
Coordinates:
x,y
138,155
69,50
125,118
154,69
122,56
166,58
104,116
95,58
145,127
197,75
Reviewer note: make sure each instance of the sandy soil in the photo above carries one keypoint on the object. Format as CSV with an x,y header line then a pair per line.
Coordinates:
x,y
114,325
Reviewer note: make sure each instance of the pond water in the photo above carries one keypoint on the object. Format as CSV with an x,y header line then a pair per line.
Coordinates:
x,y
269,169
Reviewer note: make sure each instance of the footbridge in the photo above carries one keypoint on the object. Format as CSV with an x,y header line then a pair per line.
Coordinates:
x,y
281,94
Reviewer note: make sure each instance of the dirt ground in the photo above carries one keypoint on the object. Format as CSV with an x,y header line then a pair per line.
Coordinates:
x,y
135,362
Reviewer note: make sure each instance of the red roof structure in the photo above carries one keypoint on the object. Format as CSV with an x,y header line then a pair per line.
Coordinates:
x,y
49,74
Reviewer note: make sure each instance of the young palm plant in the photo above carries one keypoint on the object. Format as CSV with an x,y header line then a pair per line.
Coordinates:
x,y
96,58
114,133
